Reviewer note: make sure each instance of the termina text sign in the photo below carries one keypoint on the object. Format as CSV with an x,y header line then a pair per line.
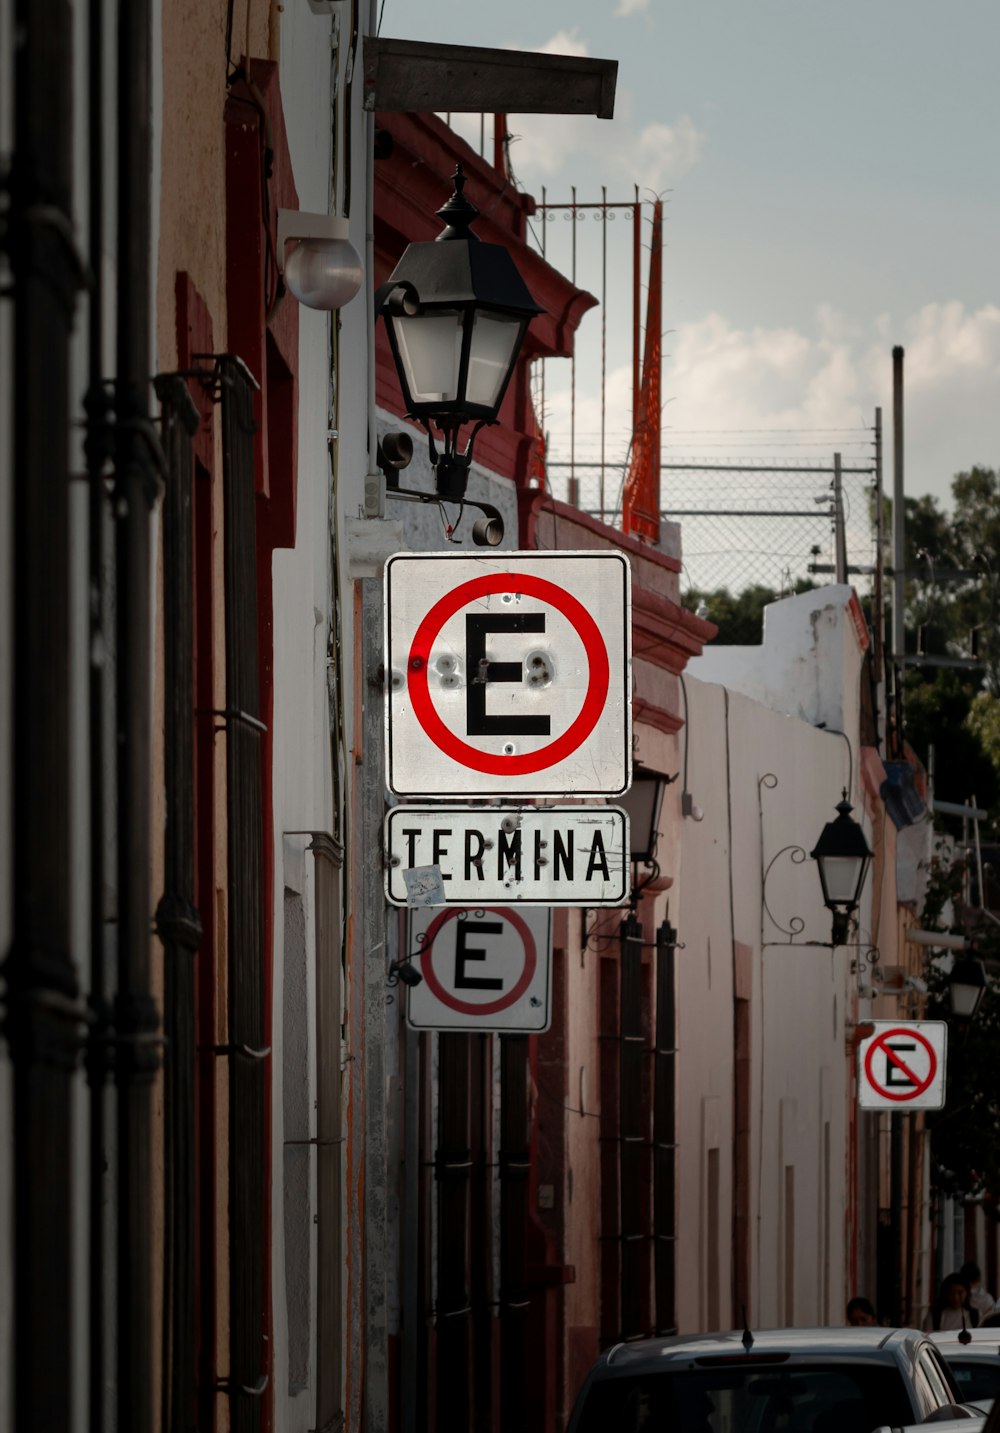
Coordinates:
x,y
509,674
541,855
901,1065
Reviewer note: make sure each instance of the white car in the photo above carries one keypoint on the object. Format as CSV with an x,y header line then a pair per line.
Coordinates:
x,y
974,1359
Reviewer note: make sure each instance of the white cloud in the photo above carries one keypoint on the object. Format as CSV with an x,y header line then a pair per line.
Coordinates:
x,y
589,152
828,375
625,8
565,42
668,151
586,151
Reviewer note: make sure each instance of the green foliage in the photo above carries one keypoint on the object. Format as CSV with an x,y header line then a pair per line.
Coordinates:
x,y
954,710
967,541
740,616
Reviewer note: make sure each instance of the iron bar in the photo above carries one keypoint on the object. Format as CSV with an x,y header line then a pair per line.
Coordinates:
x,y
245,935
137,482
177,921
665,1133
514,1164
97,448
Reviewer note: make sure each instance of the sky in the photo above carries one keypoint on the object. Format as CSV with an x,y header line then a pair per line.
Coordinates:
x,y
831,174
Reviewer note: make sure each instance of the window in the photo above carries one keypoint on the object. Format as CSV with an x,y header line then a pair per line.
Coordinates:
x,y
754,1398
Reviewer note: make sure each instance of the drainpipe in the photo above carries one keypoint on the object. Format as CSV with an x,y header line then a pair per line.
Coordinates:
x,y
137,452
97,448
43,1014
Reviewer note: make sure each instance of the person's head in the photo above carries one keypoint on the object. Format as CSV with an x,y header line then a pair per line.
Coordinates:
x,y
860,1312
970,1273
954,1292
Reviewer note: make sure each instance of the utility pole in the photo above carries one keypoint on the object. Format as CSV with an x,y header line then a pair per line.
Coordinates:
x,y
839,535
898,557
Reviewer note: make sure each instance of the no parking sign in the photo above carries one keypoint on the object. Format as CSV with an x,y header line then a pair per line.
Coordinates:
x,y
509,674
483,969
901,1065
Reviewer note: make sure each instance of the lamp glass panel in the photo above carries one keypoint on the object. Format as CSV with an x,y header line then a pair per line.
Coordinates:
x,y
841,877
641,802
964,999
430,350
494,344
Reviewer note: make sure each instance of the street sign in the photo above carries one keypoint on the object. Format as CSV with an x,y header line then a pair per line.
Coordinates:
x,y
483,969
901,1065
509,674
543,855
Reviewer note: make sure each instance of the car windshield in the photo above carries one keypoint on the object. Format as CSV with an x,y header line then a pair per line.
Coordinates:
x,y
750,1399
976,1377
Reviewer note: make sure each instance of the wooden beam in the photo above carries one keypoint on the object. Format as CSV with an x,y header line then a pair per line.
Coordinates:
x,y
413,77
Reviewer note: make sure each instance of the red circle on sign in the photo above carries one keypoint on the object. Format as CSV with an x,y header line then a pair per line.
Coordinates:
x,y
575,734
879,1044
488,1007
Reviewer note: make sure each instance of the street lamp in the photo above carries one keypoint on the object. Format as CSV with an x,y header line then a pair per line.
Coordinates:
x,y
643,801
966,987
842,856
456,311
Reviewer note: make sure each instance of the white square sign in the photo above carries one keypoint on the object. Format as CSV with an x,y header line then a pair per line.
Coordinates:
x,y
901,1065
509,674
488,968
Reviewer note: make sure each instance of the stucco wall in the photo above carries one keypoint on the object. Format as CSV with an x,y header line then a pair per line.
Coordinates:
x,y
798,996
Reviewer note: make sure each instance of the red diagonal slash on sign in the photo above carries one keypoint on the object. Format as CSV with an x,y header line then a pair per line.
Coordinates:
x,y
882,1046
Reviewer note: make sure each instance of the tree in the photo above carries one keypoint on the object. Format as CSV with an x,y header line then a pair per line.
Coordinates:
x,y
957,711
740,616
965,1134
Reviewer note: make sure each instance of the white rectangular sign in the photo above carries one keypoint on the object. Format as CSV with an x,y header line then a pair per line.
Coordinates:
x,y
901,1065
509,674
483,969
542,855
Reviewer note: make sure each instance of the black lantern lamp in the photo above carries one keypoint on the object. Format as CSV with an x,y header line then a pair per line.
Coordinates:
x,y
842,856
456,310
966,986
643,801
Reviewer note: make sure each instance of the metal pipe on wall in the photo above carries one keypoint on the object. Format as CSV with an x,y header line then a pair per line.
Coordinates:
x,y
136,479
43,1015
98,405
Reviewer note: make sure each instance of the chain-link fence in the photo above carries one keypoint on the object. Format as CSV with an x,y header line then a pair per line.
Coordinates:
x,y
770,524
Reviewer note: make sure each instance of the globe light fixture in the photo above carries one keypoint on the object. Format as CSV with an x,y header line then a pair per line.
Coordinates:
x,y
456,311
323,270
842,857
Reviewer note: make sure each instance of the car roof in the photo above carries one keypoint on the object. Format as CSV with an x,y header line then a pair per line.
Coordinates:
x,y
818,1342
979,1341
945,1425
